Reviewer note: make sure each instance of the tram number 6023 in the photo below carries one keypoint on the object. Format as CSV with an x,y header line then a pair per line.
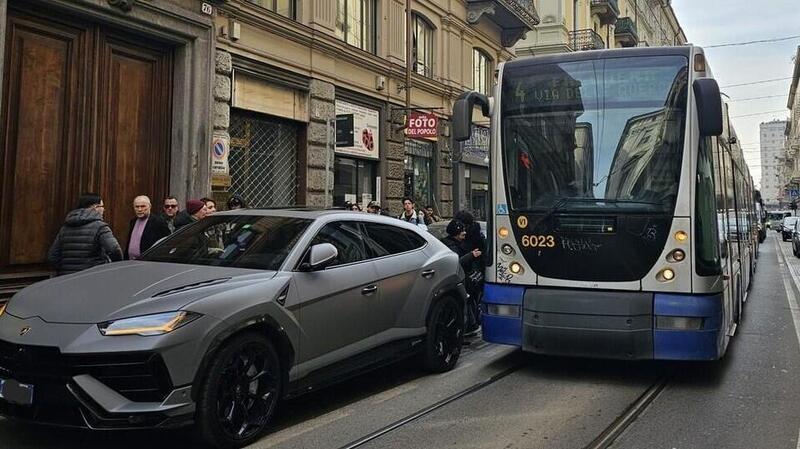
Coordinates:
x,y
538,241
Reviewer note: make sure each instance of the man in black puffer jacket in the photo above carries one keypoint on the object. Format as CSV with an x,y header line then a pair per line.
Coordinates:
x,y
84,240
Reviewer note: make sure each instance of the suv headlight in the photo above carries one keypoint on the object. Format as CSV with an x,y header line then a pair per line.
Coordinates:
x,y
3,305
148,325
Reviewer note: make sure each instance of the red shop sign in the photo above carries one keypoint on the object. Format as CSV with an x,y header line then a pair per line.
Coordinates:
x,y
422,125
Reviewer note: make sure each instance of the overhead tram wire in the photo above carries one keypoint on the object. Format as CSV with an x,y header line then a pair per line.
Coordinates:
x,y
758,98
757,82
761,113
761,41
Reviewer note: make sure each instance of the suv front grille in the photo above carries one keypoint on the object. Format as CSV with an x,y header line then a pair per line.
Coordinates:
x,y
139,376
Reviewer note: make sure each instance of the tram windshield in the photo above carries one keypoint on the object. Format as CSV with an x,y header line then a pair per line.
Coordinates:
x,y
583,135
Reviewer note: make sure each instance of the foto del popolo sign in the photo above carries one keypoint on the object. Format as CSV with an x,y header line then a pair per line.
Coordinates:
x,y
422,124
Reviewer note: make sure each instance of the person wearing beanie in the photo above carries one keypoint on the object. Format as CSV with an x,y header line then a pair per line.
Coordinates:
x,y
195,210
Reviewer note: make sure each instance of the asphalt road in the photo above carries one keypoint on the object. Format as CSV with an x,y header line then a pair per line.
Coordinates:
x,y
751,399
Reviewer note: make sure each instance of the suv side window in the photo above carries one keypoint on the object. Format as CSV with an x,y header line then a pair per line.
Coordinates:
x,y
346,236
384,240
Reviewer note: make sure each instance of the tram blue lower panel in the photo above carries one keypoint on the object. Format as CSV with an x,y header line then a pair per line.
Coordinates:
x,y
505,330
705,343
604,324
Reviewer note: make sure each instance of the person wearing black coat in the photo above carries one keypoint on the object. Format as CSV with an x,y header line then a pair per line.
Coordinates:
x,y
468,257
144,230
84,240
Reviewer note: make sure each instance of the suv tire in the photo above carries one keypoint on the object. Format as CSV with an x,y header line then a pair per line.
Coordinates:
x,y
244,375
445,335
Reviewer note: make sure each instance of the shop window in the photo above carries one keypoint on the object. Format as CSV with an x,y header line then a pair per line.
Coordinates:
x,y
286,8
422,46
418,179
355,23
481,72
353,181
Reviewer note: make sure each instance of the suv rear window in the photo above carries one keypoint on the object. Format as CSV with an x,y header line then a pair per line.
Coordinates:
x,y
384,240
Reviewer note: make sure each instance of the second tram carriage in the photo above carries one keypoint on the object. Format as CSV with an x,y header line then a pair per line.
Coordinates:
x,y
624,224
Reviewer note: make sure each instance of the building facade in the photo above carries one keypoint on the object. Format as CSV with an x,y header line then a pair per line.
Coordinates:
x,y
772,140
573,25
109,96
793,134
310,97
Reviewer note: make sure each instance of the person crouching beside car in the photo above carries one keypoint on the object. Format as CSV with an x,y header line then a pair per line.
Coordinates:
x,y
456,235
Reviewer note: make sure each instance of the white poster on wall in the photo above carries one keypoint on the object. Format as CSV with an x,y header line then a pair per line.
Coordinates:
x,y
357,130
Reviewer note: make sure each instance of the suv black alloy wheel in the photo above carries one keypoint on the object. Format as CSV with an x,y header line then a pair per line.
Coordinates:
x,y
240,392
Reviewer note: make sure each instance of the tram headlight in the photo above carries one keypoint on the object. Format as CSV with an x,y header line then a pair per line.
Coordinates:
x,y
507,249
676,256
502,232
515,268
665,275
681,236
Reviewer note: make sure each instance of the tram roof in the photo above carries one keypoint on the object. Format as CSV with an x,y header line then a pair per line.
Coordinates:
x,y
682,50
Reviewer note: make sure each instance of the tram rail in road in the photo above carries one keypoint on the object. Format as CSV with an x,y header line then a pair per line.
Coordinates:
x,y
603,440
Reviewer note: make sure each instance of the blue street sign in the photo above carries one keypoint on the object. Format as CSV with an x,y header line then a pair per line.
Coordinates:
x,y
794,193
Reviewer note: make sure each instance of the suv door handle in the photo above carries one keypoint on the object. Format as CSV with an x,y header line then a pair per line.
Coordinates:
x,y
427,274
370,289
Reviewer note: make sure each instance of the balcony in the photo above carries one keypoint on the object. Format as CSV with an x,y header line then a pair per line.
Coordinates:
x,y
625,32
514,17
585,40
606,10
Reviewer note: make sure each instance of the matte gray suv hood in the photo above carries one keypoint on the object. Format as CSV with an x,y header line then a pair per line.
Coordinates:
x,y
106,291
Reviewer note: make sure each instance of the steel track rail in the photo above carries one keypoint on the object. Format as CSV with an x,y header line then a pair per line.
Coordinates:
x,y
613,431
414,416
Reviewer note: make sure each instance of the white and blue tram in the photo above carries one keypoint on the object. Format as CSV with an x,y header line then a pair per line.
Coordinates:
x,y
624,223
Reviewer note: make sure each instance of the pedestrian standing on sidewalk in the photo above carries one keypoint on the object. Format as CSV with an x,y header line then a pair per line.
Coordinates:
x,y
236,202
171,210
84,240
145,229
195,211
411,215
430,216
211,205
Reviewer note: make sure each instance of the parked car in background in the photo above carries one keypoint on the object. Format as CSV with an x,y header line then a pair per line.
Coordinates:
x,y
225,317
796,239
775,219
788,227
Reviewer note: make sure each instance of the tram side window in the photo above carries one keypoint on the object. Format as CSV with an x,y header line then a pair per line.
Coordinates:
x,y
705,225
730,196
719,188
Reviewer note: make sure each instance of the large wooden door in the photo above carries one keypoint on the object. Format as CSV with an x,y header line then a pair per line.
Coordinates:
x,y
85,108
134,105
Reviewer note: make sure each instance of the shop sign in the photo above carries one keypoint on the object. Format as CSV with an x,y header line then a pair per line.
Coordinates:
x,y
476,149
220,170
357,130
422,125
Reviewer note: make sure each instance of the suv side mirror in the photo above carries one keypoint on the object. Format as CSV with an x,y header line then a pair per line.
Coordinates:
x,y
462,114
709,106
320,257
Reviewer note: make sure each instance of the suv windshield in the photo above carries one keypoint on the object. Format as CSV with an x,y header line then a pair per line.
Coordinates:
x,y
238,241
585,135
